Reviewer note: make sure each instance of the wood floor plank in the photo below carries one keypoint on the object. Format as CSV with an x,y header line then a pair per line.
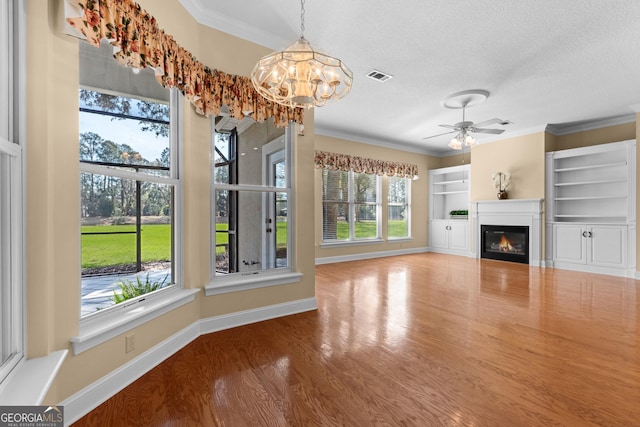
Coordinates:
x,y
415,340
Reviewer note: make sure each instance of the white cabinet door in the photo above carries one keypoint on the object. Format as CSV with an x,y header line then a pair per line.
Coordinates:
x,y
438,233
607,245
569,243
458,235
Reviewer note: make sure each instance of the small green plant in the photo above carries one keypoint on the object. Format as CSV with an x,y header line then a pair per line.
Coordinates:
x,y
130,289
459,212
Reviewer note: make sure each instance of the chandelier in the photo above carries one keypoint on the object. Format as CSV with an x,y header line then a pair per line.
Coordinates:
x,y
300,76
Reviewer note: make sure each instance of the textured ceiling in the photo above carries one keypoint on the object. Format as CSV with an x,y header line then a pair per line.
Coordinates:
x,y
544,62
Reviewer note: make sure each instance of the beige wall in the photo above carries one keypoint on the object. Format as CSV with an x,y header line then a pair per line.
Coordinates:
x,y
53,213
458,159
522,156
419,196
603,135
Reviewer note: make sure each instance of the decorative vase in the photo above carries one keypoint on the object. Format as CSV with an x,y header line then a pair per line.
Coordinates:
x,y
502,195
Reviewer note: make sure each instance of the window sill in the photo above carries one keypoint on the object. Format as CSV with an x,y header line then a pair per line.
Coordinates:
x,y
242,283
102,327
29,382
399,239
350,243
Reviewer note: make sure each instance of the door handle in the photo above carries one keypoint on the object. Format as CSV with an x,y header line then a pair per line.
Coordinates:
x,y
584,234
590,234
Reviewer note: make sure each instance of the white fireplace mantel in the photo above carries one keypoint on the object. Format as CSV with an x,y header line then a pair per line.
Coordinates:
x,y
520,212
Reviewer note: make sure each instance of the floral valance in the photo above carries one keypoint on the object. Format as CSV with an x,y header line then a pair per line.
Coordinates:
x,y
140,43
346,163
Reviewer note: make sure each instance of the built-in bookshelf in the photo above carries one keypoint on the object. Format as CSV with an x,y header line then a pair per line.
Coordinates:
x,y
590,208
592,184
449,191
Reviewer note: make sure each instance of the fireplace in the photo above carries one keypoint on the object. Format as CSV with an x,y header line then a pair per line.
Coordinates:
x,y
510,212
505,243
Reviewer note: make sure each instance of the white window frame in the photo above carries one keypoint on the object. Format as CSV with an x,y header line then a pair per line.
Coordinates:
x,y
353,240
220,284
12,66
408,210
115,320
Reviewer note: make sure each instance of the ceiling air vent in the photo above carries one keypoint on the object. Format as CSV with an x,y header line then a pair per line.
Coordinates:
x,y
379,75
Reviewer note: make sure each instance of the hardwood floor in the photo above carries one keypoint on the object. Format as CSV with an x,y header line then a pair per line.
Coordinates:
x,y
416,340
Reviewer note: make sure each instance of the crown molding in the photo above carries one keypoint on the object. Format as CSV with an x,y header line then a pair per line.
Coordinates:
x,y
559,130
205,16
373,141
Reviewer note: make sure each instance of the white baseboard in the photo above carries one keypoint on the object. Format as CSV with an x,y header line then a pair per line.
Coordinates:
x,y
90,397
239,318
368,255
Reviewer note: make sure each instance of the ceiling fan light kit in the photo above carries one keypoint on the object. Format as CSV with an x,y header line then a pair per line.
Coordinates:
x,y
464,129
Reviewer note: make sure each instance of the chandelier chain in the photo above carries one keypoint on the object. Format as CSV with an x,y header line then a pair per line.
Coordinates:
x,y
301,18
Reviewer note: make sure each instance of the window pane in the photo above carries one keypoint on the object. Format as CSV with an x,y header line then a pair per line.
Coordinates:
x,y
366,225
225,232
334,221
398,219
254,235
5,259
126,238
281,230
124,131
335,186
224,159
364,188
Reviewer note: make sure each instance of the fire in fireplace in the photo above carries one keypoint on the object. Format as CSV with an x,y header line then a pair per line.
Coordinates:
x,y
505,242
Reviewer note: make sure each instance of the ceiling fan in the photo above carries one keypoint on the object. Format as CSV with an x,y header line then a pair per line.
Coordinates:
x,y
465,128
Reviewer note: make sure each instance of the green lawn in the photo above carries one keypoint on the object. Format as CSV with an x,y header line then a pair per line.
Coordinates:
x,y
114,249
103,250
397,228
365,229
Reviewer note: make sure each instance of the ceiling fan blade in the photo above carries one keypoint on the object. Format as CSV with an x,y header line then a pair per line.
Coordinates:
x,y
493,131
450,127
489,122
440,134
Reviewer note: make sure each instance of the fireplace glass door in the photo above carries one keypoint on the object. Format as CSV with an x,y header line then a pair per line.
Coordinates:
x,y
506,243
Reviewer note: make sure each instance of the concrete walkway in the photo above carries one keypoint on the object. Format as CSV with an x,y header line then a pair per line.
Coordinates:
x,y
97,291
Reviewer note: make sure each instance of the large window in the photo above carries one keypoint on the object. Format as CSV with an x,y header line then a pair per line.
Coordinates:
x,y
399,208
11,192
251,195
129,183
350,206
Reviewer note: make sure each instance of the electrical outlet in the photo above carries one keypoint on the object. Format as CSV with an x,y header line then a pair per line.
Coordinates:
x,y
130,343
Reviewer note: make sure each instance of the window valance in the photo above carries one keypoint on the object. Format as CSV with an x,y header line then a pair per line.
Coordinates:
x,y
346,163
139,43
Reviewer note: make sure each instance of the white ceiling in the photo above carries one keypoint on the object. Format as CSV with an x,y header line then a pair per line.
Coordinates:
x,y
555,63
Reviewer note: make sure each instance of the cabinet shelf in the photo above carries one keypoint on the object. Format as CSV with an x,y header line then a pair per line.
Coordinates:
x,y
590,167
444,193
597,181
589,198
589,216
455,181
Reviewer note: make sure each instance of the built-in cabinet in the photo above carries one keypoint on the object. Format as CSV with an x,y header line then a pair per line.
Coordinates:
x,y
590,206
449,191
